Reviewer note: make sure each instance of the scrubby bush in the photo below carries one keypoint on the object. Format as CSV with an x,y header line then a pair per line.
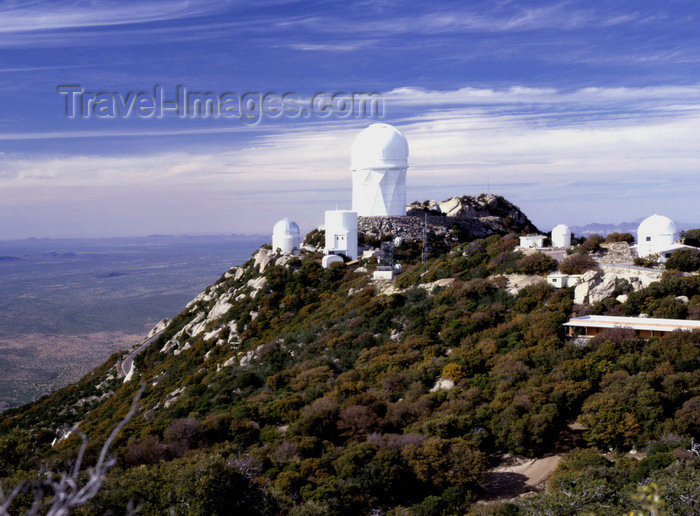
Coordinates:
x,y
649,261
535,263
685,260
691,237
619,237
577,264
592,243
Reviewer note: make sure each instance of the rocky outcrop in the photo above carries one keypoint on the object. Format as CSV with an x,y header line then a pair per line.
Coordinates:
x,y
472,217
600,284
616,252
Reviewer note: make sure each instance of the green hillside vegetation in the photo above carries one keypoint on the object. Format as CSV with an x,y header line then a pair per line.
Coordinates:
x,y
327,406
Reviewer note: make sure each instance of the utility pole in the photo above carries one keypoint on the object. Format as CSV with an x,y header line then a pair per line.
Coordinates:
x,y
425,238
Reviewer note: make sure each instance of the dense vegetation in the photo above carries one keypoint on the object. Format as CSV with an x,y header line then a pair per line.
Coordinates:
x,y
322,398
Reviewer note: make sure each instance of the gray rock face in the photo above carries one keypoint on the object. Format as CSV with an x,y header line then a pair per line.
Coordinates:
x,y
603,290
475,217
581,292
263,258
616,252
594,287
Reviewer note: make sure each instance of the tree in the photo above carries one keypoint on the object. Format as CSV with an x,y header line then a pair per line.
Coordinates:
x,y
685,260
619,237
608,424
691,237
592,243
535,263
577,264
446,462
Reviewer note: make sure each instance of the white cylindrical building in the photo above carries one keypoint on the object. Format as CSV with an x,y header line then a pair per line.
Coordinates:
x,y
341,233
655,234
378,162
561,236
286,236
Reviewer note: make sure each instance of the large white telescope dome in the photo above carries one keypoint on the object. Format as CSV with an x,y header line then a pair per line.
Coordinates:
x,y
379,146
378,162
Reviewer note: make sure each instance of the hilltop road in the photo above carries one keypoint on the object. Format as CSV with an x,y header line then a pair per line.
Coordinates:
x,y
129,360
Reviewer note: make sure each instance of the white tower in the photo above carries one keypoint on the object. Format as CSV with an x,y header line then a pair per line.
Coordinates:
x,y
286,236
561,236
341,233
378,163
655,234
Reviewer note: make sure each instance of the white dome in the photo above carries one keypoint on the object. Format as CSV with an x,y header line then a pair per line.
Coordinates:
x,y
655,234
286,227
657,225
380,146
286,236
561,236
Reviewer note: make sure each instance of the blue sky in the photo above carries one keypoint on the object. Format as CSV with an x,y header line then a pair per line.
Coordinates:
x,y
577,111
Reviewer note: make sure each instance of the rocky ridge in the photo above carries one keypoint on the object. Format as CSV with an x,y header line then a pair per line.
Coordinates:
x,y
472,217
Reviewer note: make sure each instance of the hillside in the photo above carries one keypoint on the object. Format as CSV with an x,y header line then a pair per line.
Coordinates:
x,y
285,388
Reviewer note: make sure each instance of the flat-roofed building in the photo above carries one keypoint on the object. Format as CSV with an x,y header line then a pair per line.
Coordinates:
x,y
645,327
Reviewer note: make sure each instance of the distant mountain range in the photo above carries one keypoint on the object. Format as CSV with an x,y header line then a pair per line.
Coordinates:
x,y
623,227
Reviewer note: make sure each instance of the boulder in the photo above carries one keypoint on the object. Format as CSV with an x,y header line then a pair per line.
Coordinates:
x,y
590,275
603,290
262,258
581,293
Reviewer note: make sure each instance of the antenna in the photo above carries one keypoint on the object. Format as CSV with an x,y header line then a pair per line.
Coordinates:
x,y
425,238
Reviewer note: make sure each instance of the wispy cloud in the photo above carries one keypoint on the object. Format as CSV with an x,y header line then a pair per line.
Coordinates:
x,y
44,15
479,132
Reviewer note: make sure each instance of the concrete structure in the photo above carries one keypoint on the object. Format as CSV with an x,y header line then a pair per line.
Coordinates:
x,y
561,236
379,161
341,233
329,259
647,327
383,273
657,235
286,236
532,241
559,280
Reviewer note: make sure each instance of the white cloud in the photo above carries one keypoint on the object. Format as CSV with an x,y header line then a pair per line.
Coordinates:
x,y
472,143
43,15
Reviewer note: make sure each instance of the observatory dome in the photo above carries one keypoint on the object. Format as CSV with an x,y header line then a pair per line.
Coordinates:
x,y
380,146
561,236
286,236
655,234
657,225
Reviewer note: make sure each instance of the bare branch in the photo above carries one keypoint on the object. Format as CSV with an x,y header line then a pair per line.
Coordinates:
x,y
66,491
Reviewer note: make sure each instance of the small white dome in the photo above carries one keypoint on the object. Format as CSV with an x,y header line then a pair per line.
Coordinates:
x,y
286,236
561,236
380,146
561,229
286,227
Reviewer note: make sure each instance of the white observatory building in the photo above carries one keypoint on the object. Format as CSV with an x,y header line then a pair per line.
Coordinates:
x,y
657,235
341,233
286,236
378,162
561,236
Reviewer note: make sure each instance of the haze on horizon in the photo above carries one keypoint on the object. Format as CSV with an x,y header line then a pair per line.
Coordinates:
x,y
575,111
